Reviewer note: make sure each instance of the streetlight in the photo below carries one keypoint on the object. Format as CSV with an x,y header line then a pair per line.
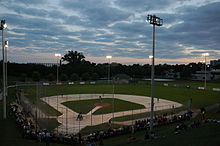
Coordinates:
x,y
155,21
58,56
109,58
3,26
205,55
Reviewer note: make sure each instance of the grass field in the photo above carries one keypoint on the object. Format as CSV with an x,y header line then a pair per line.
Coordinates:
x,y
205,135
200,98
197,83
85,106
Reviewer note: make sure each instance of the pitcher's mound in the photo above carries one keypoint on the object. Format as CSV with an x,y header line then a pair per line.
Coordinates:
x,y
103,104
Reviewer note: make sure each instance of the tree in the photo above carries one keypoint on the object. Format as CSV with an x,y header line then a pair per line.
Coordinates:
x,y
51,77
73,57
36,76
85,76
74,77
95,76
23,77
64,77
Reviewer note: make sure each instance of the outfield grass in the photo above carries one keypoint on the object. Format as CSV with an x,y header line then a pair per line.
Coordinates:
x,y
197,84
85,106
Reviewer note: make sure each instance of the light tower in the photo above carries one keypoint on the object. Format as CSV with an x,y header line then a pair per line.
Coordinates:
x,y
155,21
205,55
57,55
3,27
109,59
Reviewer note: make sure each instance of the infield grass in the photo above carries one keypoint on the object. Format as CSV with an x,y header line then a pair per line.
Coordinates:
x,y
85,106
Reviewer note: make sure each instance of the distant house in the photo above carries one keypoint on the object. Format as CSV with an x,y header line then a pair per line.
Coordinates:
x,y
121,78
210,75
200,75
215,73
215,62
172,75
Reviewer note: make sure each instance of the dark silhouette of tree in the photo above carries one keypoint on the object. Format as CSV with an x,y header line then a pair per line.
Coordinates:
x,y
85,76
95,76
23,77
51,77
73,57
74,77
64,77
36,76
77,66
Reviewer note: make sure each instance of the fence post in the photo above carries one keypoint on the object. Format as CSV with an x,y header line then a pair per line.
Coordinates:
x,y
66,121
91,117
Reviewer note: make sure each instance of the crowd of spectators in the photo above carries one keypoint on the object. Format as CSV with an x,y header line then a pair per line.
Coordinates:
x,y
31,131
162,120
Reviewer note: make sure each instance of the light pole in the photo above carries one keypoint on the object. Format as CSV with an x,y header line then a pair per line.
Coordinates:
x,y
3,26
205,55
6,68
109,59
155,21
58,57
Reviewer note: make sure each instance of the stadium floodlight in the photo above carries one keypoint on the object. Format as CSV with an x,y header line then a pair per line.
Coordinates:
x,y
155,21
3,24
6,44
58,55
3,27
205,55
150,57
109,59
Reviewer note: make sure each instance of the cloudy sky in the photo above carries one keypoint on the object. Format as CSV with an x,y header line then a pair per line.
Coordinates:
x,y
39,28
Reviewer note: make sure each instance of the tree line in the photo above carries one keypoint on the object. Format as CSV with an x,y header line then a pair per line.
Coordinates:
x,y
74,67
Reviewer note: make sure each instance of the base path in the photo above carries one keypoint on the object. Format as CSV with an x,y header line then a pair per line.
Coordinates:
x,y
68,119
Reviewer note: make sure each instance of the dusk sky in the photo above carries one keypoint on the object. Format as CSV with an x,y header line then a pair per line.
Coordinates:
x,y
37,29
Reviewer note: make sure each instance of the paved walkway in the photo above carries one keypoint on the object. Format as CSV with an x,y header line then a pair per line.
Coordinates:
x,y
68,121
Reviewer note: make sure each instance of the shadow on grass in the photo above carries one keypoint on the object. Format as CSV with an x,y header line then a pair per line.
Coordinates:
x,y
49,124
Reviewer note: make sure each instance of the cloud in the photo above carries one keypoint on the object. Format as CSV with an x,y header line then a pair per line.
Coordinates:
x,y
117,27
